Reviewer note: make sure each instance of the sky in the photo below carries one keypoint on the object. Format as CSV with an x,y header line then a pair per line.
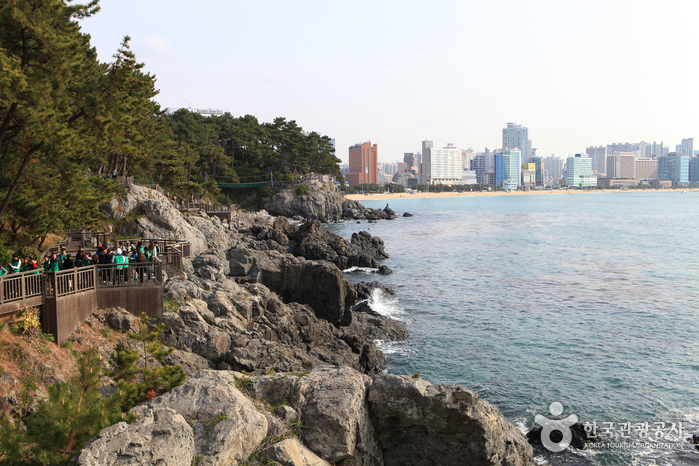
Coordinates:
x,y
576,73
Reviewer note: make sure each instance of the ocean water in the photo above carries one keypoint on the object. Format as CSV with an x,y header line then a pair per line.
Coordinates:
x,y
590,300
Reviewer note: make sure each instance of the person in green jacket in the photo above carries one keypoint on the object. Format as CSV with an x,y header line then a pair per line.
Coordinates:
x,y
53,264
15,264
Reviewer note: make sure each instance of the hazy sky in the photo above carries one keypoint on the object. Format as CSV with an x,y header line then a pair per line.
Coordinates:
x,y
576,73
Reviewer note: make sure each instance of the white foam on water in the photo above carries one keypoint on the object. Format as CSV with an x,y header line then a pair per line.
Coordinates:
x,y
386,305
356,269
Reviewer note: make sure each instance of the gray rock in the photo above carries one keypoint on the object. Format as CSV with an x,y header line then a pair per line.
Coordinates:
x,y
424,424
191,363
298,280
123,321
291,452
158,437
227,427
333,406
365,289
286,413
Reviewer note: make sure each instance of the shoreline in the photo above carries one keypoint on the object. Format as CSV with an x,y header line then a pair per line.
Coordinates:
x,y
379,196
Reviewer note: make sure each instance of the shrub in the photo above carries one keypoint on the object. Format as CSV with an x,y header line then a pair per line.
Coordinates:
x,y
301,190
28,323
29,252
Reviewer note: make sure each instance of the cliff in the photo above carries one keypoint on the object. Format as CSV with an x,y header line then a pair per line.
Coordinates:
x,y
322,202
266,296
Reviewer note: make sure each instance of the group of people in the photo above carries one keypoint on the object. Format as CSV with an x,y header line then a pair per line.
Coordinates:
x,y
126,253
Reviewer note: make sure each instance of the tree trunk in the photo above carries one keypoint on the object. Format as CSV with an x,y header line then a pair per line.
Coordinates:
x,y
18,178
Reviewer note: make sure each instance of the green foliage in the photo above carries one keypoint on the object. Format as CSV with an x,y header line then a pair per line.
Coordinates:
x,y
270,371
28,322
73,413
67,344
170,305
244,384
152,380
31,253
123,362
211,424
416,375
265,191
301,190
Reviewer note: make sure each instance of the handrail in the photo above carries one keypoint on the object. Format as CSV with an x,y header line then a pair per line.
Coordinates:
x,y
19,286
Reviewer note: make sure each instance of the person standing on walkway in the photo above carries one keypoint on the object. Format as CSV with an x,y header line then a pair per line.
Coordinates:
x,y
15,264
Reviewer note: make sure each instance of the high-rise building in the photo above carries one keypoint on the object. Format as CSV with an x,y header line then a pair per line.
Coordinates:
x,y
422,176
694,170
646,169
621,165
598,154
579,172
517,137
363,164
674,167
619,147
508,166
687,147
466,156
539,166
643,150
554,165
442,166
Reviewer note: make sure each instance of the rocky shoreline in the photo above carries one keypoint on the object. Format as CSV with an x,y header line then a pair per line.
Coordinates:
x,y
264,311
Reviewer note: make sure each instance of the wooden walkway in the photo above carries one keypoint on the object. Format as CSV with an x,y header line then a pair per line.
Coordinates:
x,y
68,297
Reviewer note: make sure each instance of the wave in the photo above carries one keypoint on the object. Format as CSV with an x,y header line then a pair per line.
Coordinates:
x,y
386,305
356,269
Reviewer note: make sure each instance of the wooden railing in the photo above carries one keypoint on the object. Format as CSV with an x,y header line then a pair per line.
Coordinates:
x,y
67,282
19,286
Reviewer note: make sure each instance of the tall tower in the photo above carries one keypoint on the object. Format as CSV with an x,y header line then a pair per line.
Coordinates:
x,y
363,164
517,137
423,167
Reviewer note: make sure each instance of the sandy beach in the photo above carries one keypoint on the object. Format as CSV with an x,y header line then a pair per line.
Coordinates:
x,y
374,196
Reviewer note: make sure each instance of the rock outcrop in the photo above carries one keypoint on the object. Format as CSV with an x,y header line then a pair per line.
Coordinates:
x,y
324,203
226,425
424,424
291,452
159,436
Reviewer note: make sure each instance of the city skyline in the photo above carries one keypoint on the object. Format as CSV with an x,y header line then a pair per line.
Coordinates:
x,y
425,71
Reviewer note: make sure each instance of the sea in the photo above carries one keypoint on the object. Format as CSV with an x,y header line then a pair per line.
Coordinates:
x,y
585,301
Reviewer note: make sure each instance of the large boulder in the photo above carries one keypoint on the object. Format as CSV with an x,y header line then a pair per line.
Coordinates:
x,y
227,427
318,284
314,243
365,290
291,452
158,437
333,403
423,424
324,205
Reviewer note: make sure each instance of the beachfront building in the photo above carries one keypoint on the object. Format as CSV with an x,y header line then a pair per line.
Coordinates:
x,y
442,166
646,169
528,175
687,147
598,154
579,172
539,166
674,167
621,165
694,170
508,168
517,137
363,164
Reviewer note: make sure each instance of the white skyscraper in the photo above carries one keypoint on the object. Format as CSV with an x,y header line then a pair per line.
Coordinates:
x,y
442,166
687,147
517,137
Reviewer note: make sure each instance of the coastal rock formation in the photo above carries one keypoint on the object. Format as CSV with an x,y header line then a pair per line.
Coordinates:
x,y
324,203
366,289
291,452
333,404
159,436
226,425
424,424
